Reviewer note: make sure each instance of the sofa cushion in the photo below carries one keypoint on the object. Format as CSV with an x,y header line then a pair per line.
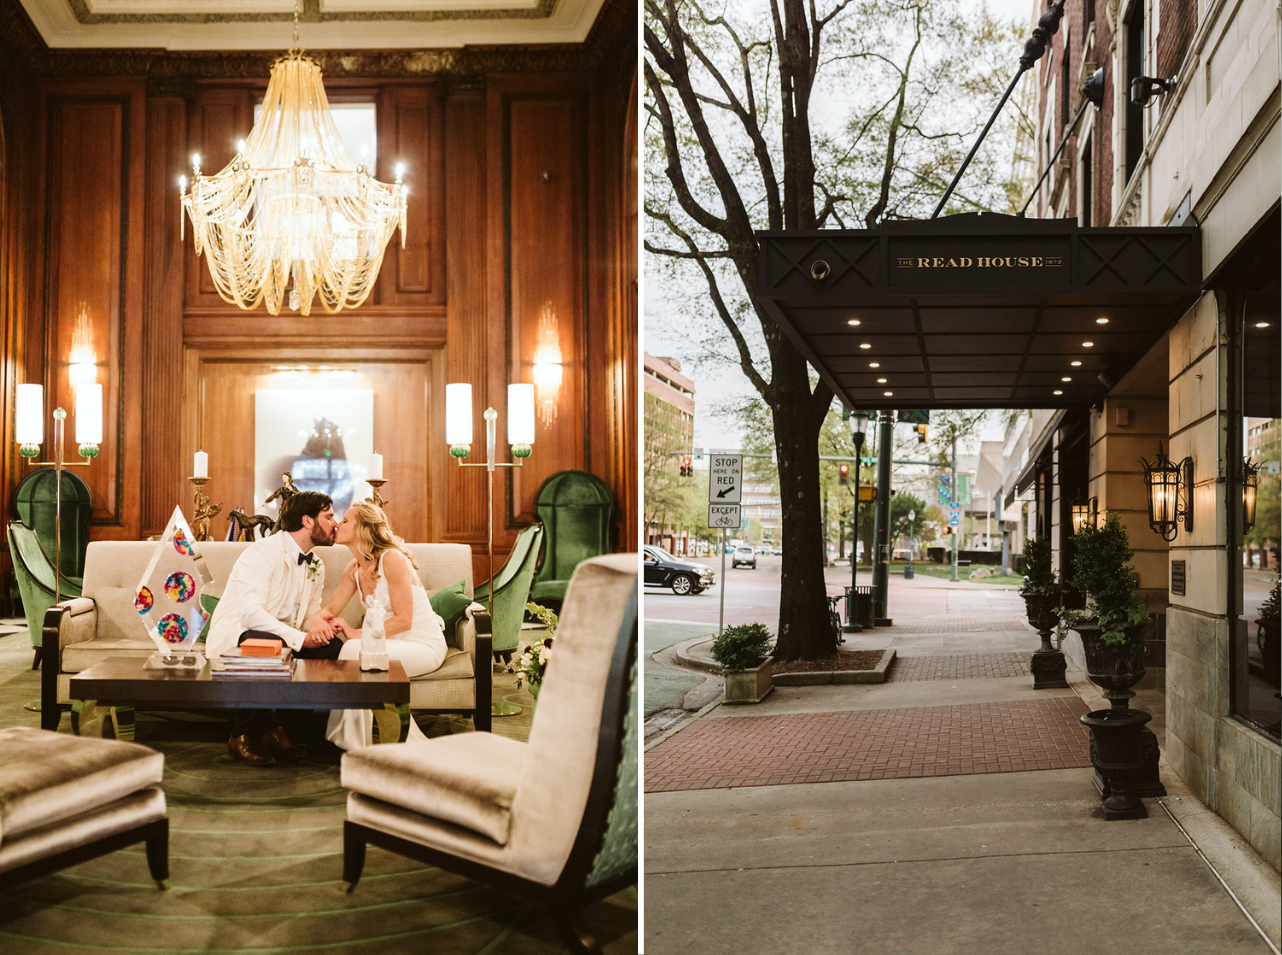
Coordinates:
x,y
449,603
47,777
78,657
456,666
468,779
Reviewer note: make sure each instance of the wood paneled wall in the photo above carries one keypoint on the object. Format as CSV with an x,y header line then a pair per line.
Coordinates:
x,y
522,196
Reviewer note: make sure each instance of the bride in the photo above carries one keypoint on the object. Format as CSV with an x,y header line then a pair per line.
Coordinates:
x,y
384,570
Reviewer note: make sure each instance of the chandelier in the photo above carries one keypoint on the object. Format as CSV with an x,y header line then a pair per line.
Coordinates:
x,y
293,205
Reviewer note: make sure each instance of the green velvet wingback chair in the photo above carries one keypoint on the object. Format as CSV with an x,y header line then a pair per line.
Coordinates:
x,y
576,511
36,506
512,590
34,573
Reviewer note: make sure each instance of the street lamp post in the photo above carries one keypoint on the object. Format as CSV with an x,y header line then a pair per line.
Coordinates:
x,y
858,431
909,572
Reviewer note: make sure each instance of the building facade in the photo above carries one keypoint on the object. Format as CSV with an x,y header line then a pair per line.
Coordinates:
x,y
668,408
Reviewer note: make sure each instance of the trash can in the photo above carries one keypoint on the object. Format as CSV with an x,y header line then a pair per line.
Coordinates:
x,y
859,606
909,572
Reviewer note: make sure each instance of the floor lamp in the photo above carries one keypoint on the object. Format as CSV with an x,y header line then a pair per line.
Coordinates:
x,y
520,435
29,432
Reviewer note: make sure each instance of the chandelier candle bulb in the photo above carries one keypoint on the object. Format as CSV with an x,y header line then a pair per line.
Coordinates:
x,y
89,414
200,467
376,467
29,425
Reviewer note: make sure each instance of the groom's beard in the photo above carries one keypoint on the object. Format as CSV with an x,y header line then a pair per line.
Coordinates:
x,y
319,536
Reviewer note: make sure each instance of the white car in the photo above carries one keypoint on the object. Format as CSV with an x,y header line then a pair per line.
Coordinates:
x,y
744,556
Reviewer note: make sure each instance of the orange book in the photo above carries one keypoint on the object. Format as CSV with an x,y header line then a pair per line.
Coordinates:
x,y
256,647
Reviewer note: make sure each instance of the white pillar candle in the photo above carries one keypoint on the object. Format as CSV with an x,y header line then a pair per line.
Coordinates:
x,y
458,414
89,414
29,426
200,467
376,467
520,414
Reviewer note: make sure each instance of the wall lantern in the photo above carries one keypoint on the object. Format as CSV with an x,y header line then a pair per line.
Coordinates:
x,y
1084,512
1250,485
548,370
1170,494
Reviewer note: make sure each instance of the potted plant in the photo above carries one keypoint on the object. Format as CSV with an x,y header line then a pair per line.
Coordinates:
x,y
1112,625
1269,623
743,651
1041,593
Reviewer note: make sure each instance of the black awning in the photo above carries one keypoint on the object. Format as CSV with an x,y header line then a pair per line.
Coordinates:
x,y
977,310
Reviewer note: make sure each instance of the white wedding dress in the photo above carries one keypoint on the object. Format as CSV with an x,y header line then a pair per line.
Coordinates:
x,y
420,649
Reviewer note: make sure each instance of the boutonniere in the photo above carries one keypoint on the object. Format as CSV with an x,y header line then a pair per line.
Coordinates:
x,y
312,569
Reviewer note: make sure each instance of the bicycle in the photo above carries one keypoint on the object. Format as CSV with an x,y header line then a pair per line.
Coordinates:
x,y
834,618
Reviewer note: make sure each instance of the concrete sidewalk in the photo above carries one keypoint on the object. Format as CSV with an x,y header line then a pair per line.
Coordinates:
x,y
930,838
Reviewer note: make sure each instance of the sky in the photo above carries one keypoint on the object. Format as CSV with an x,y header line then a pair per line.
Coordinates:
x,y
664,337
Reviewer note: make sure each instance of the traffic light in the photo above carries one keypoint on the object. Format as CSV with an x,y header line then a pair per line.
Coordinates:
x,y
843,475
687,469
921,434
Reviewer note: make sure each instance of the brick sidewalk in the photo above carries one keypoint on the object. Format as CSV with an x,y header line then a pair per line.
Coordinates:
x,y
961,666
958,623
901,743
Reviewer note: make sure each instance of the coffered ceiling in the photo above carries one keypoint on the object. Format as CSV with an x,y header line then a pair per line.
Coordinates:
x,y
326,24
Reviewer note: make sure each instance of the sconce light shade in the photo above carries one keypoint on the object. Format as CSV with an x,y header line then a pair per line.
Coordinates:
x,y
547,374
458,414
29,423
1170,489
82,373
520,414
89,414
1250,486
1081,514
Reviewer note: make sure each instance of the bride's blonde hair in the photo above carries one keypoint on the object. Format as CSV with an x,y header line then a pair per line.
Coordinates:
x,y
374,535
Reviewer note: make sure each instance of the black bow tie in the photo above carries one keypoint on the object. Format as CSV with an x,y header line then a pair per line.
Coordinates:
x,y
306,558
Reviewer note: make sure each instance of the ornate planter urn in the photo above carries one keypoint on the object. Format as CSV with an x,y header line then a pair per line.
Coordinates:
x,y
1115,669
1047,664
749,686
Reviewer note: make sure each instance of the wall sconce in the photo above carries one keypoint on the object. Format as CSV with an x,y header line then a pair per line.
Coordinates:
x,y
1084,512
1170,494
1250,485
547,364
84,368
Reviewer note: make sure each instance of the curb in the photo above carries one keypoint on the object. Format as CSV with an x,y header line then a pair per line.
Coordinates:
x,y
685,656
819,677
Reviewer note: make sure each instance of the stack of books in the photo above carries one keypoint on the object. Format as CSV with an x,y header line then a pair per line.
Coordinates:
x,y
251,661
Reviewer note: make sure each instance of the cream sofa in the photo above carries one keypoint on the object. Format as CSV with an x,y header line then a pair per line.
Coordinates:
x,y
102,623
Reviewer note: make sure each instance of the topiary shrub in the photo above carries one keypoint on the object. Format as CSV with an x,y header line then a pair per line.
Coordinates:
x,y
1101,573
1039,577
742,646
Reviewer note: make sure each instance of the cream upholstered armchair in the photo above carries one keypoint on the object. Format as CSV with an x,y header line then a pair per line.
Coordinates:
x,y
554,818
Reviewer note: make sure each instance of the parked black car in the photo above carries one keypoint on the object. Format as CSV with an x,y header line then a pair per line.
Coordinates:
x,y
664,570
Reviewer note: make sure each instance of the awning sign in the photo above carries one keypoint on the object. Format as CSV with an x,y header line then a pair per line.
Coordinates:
x,y
725,482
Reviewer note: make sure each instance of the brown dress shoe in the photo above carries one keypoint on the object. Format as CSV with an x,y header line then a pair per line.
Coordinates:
x,y
276,743
244,750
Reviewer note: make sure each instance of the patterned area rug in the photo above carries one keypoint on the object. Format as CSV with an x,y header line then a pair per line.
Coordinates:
x,y
256,860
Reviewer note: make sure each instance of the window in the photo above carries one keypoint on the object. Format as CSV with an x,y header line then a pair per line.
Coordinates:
x,y
1134,68
1086,193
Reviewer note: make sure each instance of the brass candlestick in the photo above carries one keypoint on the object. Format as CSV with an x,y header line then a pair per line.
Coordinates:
x,y
374,497
203,510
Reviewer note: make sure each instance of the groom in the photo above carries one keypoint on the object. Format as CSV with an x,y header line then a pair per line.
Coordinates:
x,y
274,592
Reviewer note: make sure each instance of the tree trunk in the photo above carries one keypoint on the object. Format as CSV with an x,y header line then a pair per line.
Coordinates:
x,y
804,631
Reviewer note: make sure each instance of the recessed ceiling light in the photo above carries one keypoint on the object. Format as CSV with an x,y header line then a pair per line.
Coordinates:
x,y
874,364
853,321
1076,364
864,345
1262,324
1101,321
1059,392
1088,344
1066,378
881,381
888,394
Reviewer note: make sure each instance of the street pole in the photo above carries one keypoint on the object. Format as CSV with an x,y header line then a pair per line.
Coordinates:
x,y
852,624
954,501
721,618
881,524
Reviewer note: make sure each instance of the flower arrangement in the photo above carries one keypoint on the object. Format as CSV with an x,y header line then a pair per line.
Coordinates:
x,y
531,666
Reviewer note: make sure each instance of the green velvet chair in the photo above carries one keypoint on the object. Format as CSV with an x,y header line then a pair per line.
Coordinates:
x,y
36,506
576,510
512,590
34,573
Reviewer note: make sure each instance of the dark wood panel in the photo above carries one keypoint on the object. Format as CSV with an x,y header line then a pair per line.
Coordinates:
x,y
162,316
409,121
367,325
546,263
218,120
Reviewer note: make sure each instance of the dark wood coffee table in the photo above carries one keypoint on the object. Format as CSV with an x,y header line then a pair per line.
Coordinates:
x,y
316,685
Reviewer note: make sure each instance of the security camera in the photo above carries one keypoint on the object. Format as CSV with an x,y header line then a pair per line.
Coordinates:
x,y
1144,88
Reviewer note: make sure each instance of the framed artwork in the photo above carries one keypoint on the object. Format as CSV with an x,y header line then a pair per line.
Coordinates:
x,y
322,436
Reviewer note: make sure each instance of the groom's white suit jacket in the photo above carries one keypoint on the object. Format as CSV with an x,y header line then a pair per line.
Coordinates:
x,y
268,590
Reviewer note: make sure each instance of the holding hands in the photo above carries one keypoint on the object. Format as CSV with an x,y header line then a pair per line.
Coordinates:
x,y
324,627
